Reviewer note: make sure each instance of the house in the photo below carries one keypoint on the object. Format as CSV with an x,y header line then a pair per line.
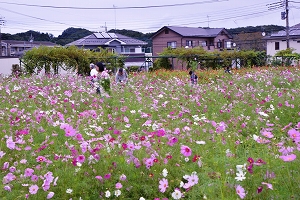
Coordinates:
x,y
209,39
116,43
16,48
277,41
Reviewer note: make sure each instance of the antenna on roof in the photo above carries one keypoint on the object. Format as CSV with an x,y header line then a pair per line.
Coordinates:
x,y
115,17
208,21
105,28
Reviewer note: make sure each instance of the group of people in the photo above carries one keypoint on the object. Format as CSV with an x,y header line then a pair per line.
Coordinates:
x,y
122,76
98,71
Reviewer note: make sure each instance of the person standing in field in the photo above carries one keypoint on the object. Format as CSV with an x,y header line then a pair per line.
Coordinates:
x,y
193,78
121,76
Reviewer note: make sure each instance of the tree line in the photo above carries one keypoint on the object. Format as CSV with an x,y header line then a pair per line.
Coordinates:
x,y
71,34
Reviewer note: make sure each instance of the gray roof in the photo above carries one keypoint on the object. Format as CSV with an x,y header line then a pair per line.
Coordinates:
x,y
294,33
191,31
103,38
194,31
20,43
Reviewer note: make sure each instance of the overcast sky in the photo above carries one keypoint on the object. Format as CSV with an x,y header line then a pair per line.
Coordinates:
x,y
140,15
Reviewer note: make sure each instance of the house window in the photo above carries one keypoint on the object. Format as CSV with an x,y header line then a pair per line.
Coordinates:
x,y
189,43
113,50
171,44
203,43
219,44
276,45
166,31
228,45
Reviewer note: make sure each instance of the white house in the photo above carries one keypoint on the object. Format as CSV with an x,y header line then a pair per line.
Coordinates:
x,y
277,41
131,48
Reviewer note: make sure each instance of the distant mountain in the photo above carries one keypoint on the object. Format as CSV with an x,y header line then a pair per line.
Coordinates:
x,y
252,29
70,35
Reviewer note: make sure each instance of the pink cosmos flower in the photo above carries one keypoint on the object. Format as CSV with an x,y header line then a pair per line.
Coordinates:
x,y
81,159
79,137
28,172
10,143
288,158
185,150
33,189
163,185
193,179
41,159
259,162
119,185
8,178
107,176
123,177
269,185
160,133
34,178
70,131
50,195
7,188
5,166
295,135
240,191
99,178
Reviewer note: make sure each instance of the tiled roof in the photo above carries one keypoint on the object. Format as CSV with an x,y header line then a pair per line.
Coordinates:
x,y
26,43
103,38
192,31
294,31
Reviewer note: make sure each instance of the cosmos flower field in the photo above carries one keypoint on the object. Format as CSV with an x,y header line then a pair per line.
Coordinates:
x,y
232,136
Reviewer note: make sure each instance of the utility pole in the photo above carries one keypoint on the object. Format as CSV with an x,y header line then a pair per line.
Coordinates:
x,y
287,29
1,24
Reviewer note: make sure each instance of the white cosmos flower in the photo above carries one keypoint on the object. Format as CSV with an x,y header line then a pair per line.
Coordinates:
x,y
69,191
240,176
132,111
241,168
154,126
117,193
255,137
107,194
177,194
263,114
160,96
200,142
181,184
165,172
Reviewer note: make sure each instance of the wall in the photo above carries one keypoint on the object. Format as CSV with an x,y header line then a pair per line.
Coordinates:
x,y
6,65
282,46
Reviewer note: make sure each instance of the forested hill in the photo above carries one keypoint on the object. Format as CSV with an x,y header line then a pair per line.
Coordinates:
x,y
252,29
72,34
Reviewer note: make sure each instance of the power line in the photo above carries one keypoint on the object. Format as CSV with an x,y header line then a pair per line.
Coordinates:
x,y
239,12
119,8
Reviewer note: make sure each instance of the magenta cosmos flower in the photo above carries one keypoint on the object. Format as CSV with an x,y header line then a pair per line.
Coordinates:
x,y
185,150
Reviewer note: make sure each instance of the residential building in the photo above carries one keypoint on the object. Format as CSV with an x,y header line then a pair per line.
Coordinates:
x,y
209,39
116,43
277,41
16,48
